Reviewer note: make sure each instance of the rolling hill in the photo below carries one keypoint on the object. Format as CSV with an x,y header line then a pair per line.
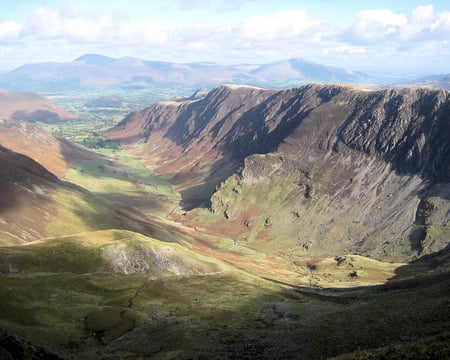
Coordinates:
x,y
38,144
433,81
30,107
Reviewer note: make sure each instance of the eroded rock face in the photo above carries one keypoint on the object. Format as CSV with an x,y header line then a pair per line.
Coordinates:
x,y
154,260
125,259
354,167
409,128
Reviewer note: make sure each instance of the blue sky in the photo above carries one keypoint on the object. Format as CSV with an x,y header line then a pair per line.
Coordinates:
x,y
385,36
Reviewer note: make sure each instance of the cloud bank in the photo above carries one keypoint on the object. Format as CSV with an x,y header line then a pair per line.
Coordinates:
x,y
421,36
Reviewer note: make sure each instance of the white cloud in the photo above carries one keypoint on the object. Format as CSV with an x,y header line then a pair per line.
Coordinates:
x,y
10,30
420,20
374,25
374,34
50,24
422,16
380,37
193,4
285,23
378,25
441,27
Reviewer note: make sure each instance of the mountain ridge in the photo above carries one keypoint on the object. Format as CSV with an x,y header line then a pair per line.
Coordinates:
x,y
93,71
365,154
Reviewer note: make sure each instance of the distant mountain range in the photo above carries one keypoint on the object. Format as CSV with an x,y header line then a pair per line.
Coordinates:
x,y
441,81
97,71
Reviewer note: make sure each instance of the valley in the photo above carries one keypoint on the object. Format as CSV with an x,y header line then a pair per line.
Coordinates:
x,y
240,222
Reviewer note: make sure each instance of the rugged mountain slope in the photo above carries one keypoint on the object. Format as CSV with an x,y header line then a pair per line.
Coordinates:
x,y
325,169
36,204
56,154
186,137
30,107
38,144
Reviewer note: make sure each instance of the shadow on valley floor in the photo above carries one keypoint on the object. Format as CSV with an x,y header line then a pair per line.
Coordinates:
x,y
231,315
86,163
407,317
148,203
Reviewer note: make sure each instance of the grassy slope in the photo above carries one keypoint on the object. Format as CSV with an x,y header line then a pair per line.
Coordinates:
x,y
104,251
80,211
124,181
229,314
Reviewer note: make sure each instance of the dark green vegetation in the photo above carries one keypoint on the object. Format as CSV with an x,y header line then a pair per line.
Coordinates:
x,y
274,265
97,110
89,313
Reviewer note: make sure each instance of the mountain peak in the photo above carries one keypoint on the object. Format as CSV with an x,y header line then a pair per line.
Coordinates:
x,y
95,59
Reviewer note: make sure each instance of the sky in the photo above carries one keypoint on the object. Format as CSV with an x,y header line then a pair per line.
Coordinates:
x,y
403,36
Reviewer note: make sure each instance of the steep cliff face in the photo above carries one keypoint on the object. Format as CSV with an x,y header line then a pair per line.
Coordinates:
x,y
187,139
323,169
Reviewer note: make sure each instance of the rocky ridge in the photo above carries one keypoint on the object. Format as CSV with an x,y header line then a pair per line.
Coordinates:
x,y
323,168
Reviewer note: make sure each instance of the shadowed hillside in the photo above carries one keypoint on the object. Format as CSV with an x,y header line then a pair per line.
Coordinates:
x,y
36,204
30,107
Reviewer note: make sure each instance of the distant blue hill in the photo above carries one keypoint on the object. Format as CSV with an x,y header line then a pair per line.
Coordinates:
x,y
98,71
95,59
